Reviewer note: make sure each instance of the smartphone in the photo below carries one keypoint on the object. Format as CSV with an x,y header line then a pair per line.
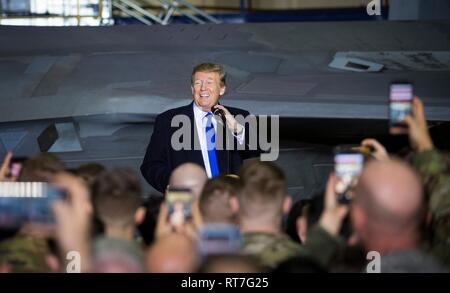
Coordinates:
x,y
348,166
179,205
15,166
219,239
400,103
27,202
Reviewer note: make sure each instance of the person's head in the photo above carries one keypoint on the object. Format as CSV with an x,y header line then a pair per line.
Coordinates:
x,y
41,167
387,209
174,253
117,199
207,84
303,215
190,176
263,199
215,206
230,263
111,255
306,213
89,172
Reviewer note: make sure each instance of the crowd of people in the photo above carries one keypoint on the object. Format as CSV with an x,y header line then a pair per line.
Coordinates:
x,y
399,209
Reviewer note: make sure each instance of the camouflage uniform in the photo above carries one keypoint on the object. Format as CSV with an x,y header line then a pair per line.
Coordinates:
x,y
24,254
271,249
108,252
436,179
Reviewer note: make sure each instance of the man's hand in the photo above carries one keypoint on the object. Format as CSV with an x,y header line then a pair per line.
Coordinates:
x,y
417,130
73,217
333,213
232,124
419,137
379,152
189,228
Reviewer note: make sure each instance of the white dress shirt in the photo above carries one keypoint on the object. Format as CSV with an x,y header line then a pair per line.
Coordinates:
x,y
200,122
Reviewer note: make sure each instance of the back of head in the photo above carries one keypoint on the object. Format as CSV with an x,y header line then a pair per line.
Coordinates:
x,y
306,210
189,175
89,172
116,197
215,199
112,255
309,212
175,253
230,263
264,190
390,196
41,167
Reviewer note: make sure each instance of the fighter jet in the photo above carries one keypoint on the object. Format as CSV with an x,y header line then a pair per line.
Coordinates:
x,y
91,94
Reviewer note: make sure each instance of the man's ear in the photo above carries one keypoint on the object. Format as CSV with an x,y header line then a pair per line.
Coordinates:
x,y
192,90
301,226
287,203
222,90
234,204
139,215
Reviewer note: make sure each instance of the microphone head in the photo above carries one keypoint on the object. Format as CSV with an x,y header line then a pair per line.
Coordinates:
x,y
218,112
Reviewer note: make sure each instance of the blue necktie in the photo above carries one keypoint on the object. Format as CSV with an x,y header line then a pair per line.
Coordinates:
x,y
211,145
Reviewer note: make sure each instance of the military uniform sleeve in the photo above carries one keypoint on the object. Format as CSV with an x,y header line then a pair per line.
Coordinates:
x,y
322,247
432,169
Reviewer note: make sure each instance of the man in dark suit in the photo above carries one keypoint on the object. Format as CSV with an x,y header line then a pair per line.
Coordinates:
x,y
207,86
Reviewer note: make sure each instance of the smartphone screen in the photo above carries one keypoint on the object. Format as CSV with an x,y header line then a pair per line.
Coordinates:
x,y
219,239
15,166
401,95
179,206
27,202
348,167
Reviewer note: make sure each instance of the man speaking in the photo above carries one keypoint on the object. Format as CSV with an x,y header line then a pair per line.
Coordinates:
x,y
207,117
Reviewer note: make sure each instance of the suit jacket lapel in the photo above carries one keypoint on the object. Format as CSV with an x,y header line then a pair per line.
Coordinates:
x,y
195,155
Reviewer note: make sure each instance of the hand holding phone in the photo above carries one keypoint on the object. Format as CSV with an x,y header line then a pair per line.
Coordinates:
x,y
179,206
400,106
31,202
348,167
376,149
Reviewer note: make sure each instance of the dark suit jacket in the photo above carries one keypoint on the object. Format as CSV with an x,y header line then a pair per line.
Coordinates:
x,y
161,159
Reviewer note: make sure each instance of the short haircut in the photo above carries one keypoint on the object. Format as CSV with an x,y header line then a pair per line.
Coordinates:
x,y
214,200
264,189
40,166
210,67
116,197
89,172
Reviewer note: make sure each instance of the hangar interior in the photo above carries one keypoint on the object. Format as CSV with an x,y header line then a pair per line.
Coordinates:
x,y
85,79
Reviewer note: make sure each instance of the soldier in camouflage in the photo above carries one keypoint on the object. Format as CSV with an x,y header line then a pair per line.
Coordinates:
x,y
434,172
262,203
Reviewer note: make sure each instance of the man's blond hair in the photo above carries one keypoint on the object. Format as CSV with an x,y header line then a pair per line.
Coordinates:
x,y
210,67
